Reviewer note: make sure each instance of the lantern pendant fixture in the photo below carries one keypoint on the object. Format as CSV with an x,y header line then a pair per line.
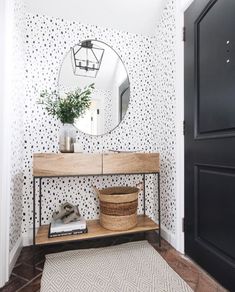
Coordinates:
x,y
86,59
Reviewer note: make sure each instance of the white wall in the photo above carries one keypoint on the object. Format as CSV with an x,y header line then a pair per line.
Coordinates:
x,y
6,25
3,195
165,126
11,120
135,16
2,65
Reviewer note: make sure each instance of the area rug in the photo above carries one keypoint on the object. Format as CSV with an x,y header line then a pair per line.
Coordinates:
x,y
128,267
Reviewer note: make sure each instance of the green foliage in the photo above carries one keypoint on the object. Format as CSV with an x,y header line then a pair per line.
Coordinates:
x,y
67,109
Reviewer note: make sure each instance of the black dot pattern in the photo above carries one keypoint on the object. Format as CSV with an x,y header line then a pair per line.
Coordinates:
x,y
148,126
47,41
16,106
165,128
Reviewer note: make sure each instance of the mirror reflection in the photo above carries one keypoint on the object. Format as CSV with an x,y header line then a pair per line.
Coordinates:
x,y
93,61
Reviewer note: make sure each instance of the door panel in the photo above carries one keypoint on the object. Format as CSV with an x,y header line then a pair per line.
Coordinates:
x,y
214,226
215,40
210,137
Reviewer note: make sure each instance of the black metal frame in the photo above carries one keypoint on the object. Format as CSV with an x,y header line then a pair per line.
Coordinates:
x,y
88,46
47,177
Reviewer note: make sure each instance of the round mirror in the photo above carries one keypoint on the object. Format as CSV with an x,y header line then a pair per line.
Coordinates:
x,y
93,61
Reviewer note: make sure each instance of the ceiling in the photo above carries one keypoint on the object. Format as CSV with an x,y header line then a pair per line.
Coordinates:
x,y
135,16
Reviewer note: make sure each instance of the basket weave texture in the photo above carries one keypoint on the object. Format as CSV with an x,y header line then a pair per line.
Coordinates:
x,y
118,207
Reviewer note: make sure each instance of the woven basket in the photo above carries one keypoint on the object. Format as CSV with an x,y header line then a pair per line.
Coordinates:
x,y
118,207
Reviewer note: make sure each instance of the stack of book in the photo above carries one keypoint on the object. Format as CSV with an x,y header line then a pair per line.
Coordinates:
x,y
67,221
59,228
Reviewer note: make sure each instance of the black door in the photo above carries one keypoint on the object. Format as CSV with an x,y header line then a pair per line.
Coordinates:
x,y
210,137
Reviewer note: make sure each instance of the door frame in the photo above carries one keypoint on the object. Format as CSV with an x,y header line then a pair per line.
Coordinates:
x,y
181,7
6,17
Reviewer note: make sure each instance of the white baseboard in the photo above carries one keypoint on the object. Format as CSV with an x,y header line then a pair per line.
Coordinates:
x,y
14,254
168,236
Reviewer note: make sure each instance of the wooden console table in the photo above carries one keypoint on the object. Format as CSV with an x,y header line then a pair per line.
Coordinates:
x,y
52,165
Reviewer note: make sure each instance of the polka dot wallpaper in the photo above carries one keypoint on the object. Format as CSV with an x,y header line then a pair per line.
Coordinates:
x,y
47,41
148,125
16,106
165,107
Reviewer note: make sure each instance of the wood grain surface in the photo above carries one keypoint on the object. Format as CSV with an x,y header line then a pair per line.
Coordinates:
x,y
130,163
144,223
68,164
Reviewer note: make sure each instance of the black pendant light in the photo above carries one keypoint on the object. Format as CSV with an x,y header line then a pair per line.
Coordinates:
x,y
86,59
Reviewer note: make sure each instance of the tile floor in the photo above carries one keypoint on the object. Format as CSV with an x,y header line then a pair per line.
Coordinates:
x,y
26,276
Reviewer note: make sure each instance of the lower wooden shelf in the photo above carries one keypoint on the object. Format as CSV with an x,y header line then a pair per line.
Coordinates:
x,y
95,230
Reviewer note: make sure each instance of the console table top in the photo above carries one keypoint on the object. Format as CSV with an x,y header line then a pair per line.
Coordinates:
x,y
74,164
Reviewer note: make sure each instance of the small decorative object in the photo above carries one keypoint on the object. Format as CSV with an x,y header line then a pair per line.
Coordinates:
x,y
67,213
73,216
118,207
67,221
68,108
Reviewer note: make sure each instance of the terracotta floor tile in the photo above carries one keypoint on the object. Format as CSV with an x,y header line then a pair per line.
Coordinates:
x,y
41,265
171,258
13,284
221,289
192,285
32,286
26,272
206,284
203,276
188,276
187,270
38,257
27,253
165,247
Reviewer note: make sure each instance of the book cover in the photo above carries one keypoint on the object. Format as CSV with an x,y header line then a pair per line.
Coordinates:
x,y
66,233
58,225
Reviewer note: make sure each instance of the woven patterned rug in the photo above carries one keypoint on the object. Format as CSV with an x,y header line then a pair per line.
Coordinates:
x,y
134,266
